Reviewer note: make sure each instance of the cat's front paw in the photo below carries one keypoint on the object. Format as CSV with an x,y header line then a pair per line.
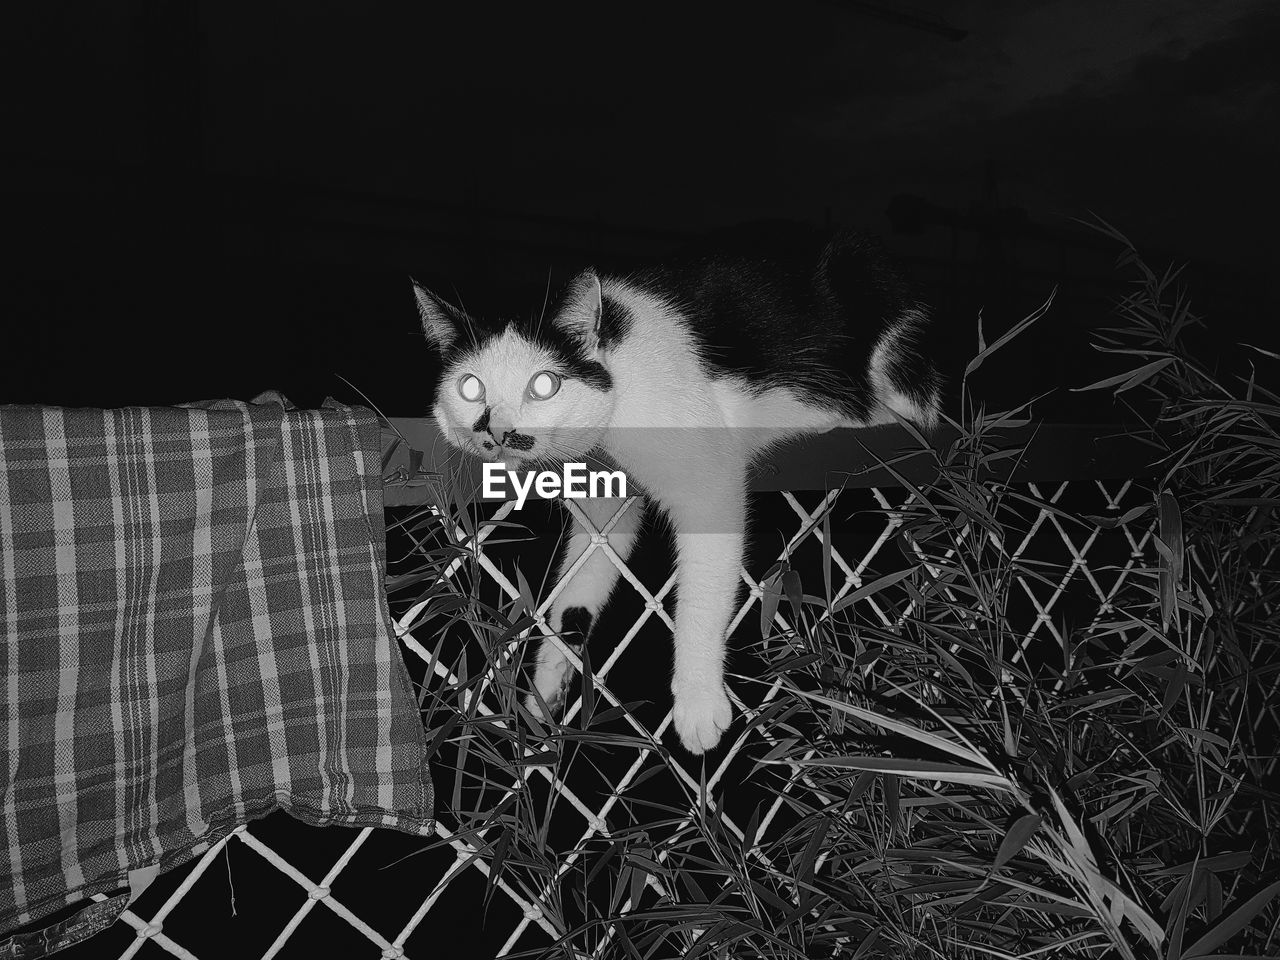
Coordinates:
x,y
551,679
701,715
534,706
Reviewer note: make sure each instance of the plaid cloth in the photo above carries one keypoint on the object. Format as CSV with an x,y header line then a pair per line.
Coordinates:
x,y
195,632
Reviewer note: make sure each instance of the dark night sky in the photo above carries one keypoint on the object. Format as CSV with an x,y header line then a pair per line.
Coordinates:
x,y
1162,117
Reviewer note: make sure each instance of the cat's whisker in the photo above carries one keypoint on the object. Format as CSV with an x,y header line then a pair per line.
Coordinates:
x,y
545,297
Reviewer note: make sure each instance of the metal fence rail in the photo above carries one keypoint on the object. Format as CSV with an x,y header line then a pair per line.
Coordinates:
x,y
1093,469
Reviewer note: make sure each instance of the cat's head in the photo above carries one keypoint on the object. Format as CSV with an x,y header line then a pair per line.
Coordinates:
x,y
521,390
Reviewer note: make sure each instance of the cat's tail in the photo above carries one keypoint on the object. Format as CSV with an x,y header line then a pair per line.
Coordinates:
x,y
875,293
903,377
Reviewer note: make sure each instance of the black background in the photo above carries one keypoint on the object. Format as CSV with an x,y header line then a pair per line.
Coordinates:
x,y
208,200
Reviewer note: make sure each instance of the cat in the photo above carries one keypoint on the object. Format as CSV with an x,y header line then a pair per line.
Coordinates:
x,y
682,374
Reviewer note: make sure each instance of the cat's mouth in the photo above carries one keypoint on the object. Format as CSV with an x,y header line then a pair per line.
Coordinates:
x,y
510,451
513,459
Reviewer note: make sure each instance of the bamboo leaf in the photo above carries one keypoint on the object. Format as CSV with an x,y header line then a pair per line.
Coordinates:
x,y
867,589
769,601
1233,923
1017,328
1129,379
1266,353
1221,863
588,686
892,799
861,785
914,770
1174,689
868,942
826,554
1075,835
925,737
795,594
808,860
1016,838
526,595
1126,518
1213,905
1171,570
1171,531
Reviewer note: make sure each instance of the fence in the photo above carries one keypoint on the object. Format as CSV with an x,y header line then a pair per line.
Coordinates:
x,y
365,899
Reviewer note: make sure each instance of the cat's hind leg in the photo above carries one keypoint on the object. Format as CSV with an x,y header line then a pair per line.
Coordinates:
x,y
577,606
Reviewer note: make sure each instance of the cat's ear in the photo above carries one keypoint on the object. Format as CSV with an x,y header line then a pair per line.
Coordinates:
x,y
441,320
580,309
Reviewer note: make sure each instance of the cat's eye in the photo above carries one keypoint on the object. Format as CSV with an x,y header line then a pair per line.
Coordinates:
x,y
470,387
544,385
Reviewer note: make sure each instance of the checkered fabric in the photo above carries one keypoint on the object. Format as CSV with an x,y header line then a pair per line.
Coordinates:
x,y
195,633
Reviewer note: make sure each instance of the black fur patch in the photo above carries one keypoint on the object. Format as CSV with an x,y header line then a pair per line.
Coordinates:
x,y
615,323
482,422
783,306
590,372
576,620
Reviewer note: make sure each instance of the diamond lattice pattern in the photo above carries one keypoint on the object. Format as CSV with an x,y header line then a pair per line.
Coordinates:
x,y
337,883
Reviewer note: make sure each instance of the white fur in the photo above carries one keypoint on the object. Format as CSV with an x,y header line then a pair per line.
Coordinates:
x,y
687,440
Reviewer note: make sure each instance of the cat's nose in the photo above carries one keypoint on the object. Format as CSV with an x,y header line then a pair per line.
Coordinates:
x,y
500,426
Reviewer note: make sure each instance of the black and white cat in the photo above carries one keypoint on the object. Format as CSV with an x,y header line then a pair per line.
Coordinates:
x,y
682,374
